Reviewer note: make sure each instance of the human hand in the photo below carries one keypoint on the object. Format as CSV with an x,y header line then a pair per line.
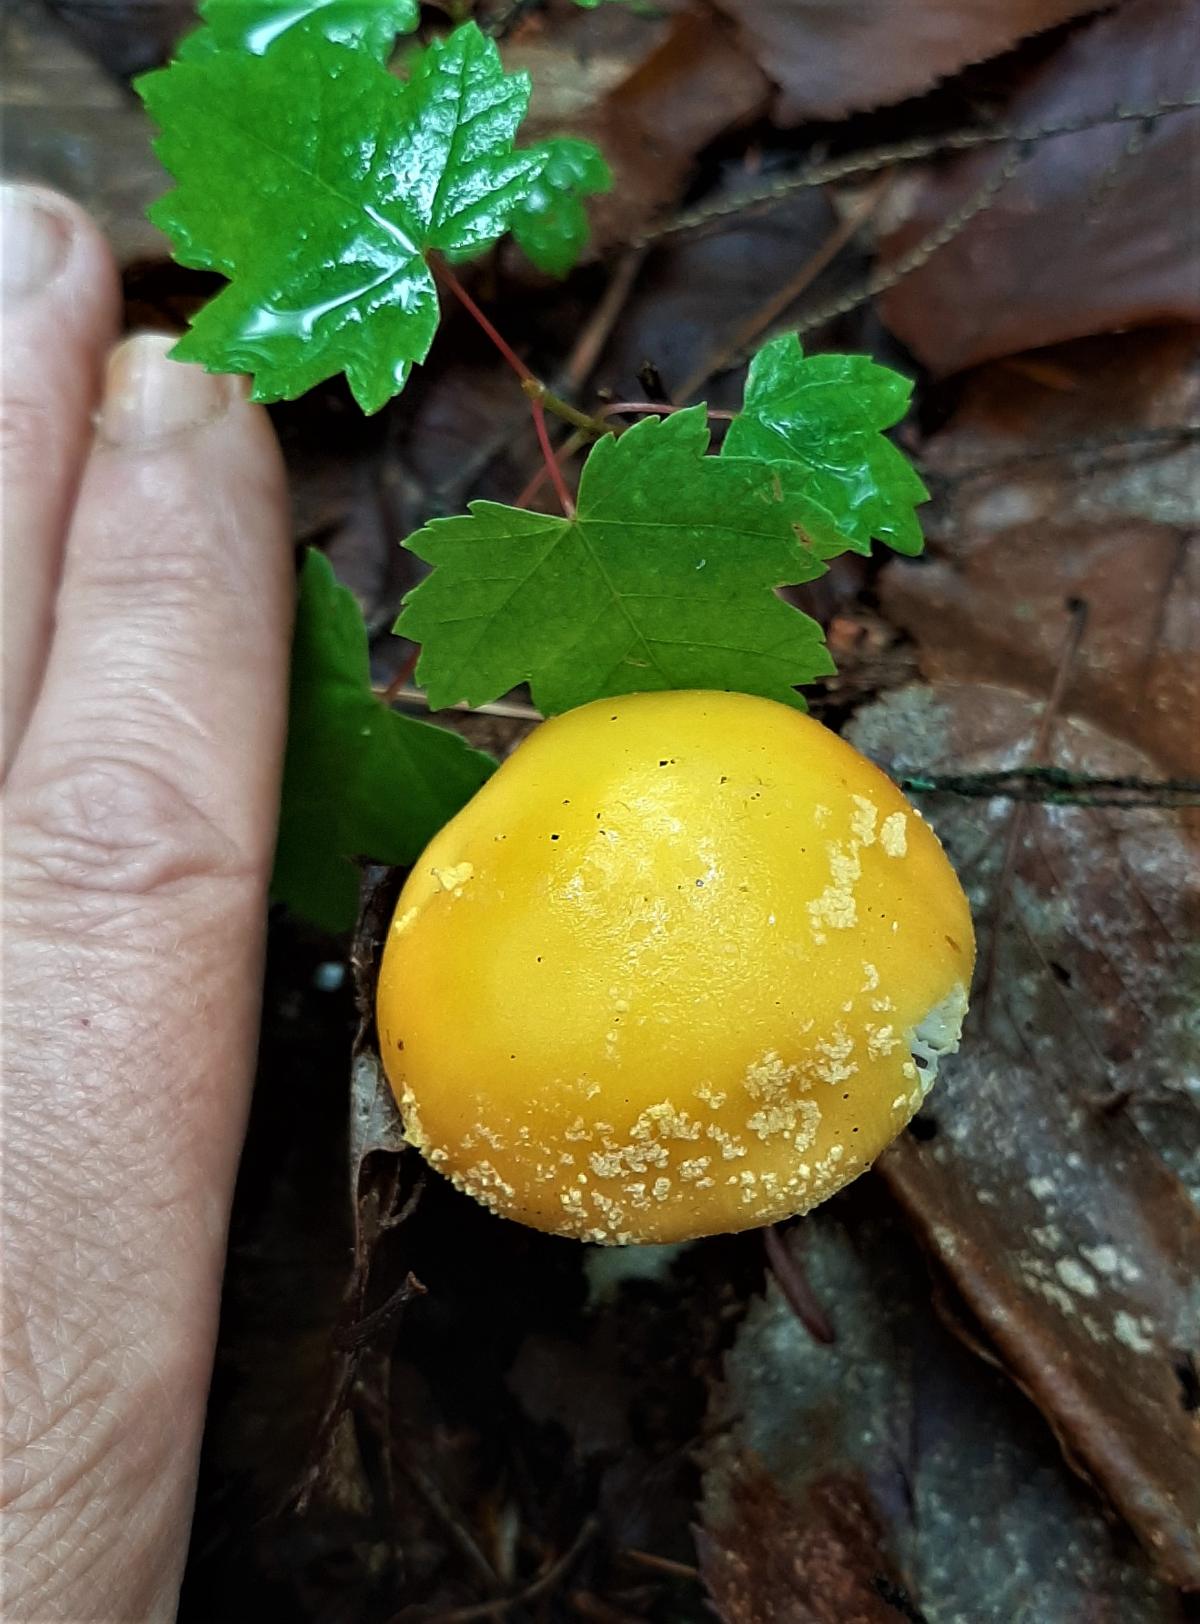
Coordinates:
x,y
147,602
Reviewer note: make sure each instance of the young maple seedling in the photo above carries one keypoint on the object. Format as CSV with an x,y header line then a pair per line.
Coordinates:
x,y
335,195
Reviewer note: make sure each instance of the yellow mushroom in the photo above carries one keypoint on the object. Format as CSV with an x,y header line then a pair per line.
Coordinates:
x,y
684,965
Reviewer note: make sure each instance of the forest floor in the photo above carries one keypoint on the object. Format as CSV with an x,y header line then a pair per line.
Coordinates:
x,y
966,1391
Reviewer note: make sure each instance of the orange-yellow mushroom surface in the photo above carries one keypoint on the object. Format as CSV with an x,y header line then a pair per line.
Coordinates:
x,y
684,965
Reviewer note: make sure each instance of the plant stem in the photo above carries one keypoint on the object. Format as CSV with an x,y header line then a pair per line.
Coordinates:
x,y
555,472
575,441
660,409
400,681
537,390
443,272
538,395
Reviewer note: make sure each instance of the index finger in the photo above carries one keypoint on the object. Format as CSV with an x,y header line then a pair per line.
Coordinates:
x,y
60,310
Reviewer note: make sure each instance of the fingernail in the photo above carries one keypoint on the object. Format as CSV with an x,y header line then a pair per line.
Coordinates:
x,y
148,397
34,240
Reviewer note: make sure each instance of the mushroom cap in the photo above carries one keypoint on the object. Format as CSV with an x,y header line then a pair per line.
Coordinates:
x,y
684,965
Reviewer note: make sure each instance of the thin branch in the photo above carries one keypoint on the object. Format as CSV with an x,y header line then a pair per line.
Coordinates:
x,y
759,320
544,1585
659,408
884,157
887,276
351,1338
437,1501
537,390
512,709
661,1564
1056,786
590,345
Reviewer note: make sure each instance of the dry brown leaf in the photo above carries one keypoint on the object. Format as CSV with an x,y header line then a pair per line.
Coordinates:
x,y
1041,1176
853,55
890,1476
1015,532
68,125
128,36
1096,231
692,84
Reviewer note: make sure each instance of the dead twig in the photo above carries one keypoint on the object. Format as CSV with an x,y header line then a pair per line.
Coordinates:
x,y
874,159
354,1337
885,277
1056,786
597,331
462,1537
511,708
543,1585
662,1564
659,408
734,348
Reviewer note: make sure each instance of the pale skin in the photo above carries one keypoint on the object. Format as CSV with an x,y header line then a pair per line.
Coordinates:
x,y
147,600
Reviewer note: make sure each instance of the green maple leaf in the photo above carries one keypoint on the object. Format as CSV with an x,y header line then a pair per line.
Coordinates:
x,y
317,183
818,420
551,223
253,25
665,578
359,779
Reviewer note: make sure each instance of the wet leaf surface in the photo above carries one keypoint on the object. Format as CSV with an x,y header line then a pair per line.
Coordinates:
x,y
1060,1211
1092,233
